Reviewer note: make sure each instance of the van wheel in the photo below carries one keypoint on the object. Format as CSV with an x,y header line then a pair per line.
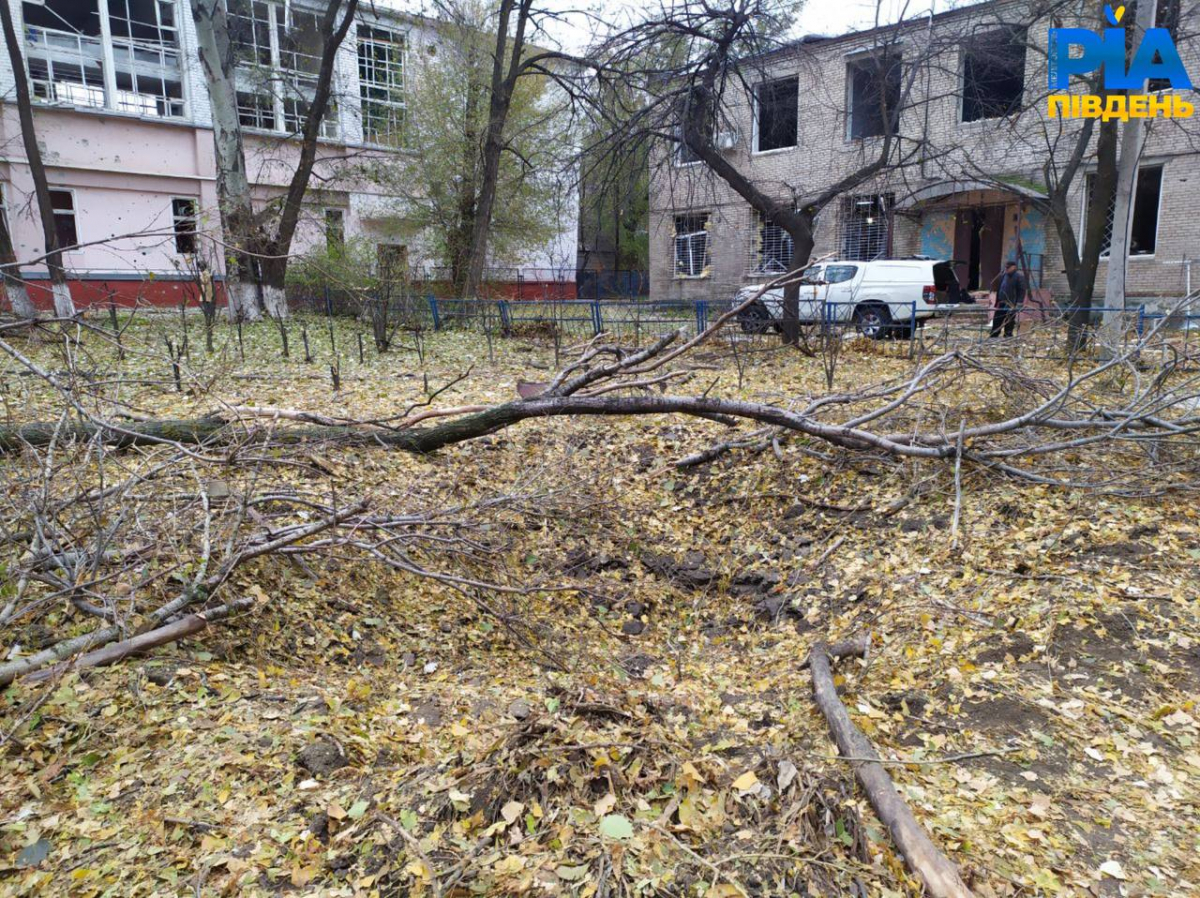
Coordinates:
x,y
755,319
873,322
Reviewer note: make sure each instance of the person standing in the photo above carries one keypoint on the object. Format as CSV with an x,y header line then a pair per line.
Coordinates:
x,y
1010,290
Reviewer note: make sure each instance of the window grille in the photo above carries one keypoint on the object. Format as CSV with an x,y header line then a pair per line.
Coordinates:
x,y
770,248
865,226
1143,233
692,256
381,85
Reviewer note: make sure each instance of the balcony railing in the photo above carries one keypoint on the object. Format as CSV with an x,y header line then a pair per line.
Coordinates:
x,y
65,68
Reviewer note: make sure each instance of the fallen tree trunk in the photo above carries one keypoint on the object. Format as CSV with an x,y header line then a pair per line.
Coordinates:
x,y
922,856
186,626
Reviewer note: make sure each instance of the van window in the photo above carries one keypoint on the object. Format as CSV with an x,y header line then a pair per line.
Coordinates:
x,y
813,274
837,274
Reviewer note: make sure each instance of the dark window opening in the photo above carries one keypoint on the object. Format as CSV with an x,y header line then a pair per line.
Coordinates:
x,y
1143,231
183,214
691,245
71,16
393,260
1166,15
865,226
777,106
63,204
993,75
256,111
335,230
874,96
684,154
774,249
64,52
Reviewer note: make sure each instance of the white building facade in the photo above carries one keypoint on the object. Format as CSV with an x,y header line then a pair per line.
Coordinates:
x,y
123,119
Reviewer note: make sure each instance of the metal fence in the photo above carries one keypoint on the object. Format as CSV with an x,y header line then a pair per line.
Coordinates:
x,y
1042,328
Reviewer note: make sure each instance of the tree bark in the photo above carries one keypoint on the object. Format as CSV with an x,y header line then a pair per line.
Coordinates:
x,y
64,307
186,626
1133,138
14,286
233,182
256,265
940,876
506,68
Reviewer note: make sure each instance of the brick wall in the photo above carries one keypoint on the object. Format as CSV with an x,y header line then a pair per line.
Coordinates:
x,y
1013,149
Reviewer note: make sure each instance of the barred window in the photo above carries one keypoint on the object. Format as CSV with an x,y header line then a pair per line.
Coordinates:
x,y
692,256
865,226
770,250
1143,232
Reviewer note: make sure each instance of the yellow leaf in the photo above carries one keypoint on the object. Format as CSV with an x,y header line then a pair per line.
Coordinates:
x,y
746,781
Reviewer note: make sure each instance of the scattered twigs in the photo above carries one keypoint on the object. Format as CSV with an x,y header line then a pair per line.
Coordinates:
x,y
186,626
940,876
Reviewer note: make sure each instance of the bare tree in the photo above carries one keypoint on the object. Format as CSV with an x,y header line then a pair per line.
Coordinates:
x,y
64,307
711,57
259,242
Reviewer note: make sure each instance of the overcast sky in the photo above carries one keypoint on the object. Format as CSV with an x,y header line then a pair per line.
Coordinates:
x,y
817,17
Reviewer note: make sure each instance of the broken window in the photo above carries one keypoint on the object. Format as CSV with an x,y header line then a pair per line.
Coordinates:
x,y
256,110
1143,231
874,86
993,75
381,85
771,248
66,56
183,215
335,230
64,51
777,105
684,154
146,59
1166,15
63,204
691,245
865,226
279,56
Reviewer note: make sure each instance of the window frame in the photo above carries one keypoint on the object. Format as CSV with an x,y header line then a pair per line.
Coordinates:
x,y
705,269
282,93
969,45
756,116
74,216
400,38
857,61
194,233
341,228
1086,203
113,100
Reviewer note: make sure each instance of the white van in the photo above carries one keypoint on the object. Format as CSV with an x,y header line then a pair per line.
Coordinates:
x,y
884,298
